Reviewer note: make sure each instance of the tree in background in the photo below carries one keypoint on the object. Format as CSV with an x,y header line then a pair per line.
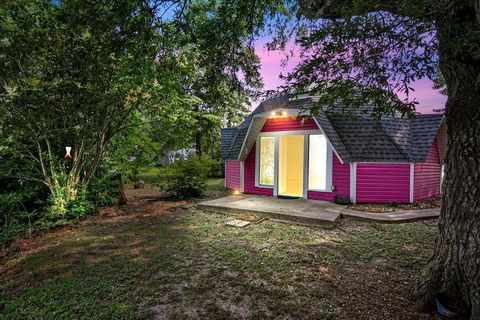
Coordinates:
x,y
99,76
73,72
215,61
381,47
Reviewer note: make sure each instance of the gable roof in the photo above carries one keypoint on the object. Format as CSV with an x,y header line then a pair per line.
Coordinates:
x,y
358,139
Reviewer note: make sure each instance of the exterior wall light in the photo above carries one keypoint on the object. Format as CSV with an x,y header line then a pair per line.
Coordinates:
x,y
236,192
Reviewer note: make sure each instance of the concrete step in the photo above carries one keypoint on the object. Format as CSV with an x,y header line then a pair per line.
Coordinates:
x,y
299,211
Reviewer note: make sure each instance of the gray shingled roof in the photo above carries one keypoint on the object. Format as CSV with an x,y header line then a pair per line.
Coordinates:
x,y
358,139
227,137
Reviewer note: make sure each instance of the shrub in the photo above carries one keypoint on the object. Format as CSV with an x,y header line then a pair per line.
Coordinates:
x,y
217,168
21,205
339,199
15,220
185,178
104,188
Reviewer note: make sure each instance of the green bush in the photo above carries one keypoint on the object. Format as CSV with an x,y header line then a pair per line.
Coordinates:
x,y
21,205
216,168
186,178
27,207
15,220
104,188
339,199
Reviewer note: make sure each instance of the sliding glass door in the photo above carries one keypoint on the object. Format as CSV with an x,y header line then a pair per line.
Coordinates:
x,y
294,163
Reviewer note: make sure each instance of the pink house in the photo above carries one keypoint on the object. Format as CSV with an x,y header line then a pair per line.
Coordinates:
x,y
280,150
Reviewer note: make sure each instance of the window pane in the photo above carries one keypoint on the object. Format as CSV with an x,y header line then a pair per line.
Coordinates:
x,y
317,159
267,154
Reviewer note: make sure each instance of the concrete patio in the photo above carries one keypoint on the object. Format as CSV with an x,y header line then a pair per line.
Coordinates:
x,y
312,212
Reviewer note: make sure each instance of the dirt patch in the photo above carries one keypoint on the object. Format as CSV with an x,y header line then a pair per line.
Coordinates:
x,y
430,203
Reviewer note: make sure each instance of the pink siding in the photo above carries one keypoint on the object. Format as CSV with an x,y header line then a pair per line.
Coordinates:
x,y
249,176
383,182
232,174
340,179
288,124
427,175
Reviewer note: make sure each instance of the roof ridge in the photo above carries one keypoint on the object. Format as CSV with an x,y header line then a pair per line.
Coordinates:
x,y
397,146
365,146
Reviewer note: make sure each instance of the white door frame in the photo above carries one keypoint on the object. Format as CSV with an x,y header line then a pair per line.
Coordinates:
x,y
306,134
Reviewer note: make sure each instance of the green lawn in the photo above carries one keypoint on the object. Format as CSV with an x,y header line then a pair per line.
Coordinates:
x,y
146,260
150,176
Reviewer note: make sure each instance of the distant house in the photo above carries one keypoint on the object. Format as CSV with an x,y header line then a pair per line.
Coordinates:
x,y
366,160
180,154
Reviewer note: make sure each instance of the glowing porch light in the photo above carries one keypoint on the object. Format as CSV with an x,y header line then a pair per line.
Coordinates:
x,y
236,192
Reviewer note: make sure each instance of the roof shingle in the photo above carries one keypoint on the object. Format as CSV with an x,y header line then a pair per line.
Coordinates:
x,y
355,139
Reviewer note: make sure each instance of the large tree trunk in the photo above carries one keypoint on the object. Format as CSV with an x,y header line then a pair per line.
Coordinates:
x,y
454,267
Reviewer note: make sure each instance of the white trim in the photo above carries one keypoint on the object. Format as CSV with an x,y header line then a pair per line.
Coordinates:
x,y
267,115
306,134
328,182
323,132
353,182
306,163
289,133
245,139
289,112
412,181
242,177
382,162
257,165
275,166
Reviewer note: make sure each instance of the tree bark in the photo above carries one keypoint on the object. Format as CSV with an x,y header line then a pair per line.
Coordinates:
x,y
454,267
198,143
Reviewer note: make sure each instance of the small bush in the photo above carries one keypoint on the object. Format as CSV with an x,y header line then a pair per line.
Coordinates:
x,y
15,220
339,199
104,188
21,205
186,178
217,168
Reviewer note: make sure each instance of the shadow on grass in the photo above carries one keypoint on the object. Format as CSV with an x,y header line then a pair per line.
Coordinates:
x,y
183,265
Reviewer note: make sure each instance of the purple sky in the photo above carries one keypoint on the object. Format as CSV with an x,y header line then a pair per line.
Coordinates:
x,y
427,97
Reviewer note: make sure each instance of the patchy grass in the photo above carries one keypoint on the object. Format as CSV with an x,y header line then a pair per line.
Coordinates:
x,y
155,259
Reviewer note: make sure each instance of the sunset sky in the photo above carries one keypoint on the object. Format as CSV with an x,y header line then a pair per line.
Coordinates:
x,y
427,97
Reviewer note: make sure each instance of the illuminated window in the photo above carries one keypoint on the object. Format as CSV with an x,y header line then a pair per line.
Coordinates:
x,y
317,162
267,162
